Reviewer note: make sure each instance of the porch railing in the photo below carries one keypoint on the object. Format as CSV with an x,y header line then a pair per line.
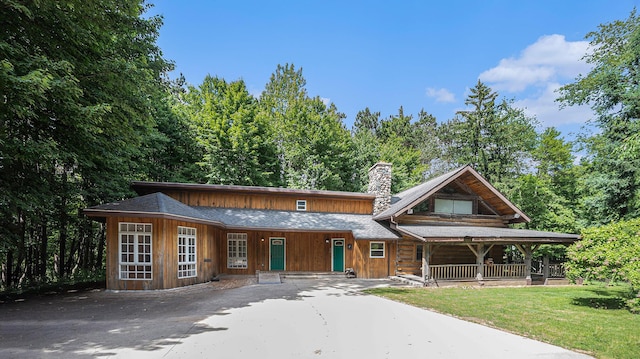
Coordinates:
x,y
470,271
505,271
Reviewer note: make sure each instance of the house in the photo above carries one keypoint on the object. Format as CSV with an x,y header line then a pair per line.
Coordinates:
x,y
455,226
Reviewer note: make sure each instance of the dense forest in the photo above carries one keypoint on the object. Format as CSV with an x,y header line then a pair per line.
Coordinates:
x,y
87,105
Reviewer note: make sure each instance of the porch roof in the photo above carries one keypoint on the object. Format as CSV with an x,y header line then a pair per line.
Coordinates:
x,y
361,225
430,233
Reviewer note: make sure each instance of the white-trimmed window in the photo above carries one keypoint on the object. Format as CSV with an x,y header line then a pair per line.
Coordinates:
x,y
135,250
301,205
186,252
376,249
236,250
453,206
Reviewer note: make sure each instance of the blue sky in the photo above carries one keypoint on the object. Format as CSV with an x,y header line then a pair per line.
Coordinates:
x,y
387,54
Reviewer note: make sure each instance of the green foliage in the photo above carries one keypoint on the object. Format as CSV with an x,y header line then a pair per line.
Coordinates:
x,y
610,252
77,100
314,149
612,89
495,138
235,142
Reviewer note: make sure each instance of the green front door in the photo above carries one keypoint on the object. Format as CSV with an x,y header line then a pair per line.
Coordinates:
x,y
277,252
337,255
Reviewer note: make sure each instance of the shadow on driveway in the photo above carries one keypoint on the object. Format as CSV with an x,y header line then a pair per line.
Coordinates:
x,y
100,323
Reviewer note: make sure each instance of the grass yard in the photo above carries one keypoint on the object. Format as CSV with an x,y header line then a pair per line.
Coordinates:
x,y
589,318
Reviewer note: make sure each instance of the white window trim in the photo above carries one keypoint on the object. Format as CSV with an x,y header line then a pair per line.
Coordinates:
x,y
237,238
301,205
147,267
188,268
371,255
453,206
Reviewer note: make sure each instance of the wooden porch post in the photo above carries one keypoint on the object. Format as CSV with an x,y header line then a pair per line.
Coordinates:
x,y
527,251
545,267
480,261
426,254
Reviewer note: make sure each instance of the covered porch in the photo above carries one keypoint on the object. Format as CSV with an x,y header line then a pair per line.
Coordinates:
x,y
476,243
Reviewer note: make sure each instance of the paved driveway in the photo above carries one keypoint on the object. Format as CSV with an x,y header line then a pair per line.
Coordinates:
x,y
295,319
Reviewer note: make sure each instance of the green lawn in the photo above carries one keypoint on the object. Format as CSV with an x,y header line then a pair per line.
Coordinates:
x,y
587,318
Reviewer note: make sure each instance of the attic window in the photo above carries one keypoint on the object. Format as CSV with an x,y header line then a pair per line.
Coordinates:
x,y
301,205
453,206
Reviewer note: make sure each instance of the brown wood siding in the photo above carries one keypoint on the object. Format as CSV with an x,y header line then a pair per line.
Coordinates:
x,y
304,251
369,268
407,263
453,220
273,201
164,254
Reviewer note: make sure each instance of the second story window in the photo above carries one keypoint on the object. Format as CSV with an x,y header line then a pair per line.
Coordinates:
x,y
453,206
301,205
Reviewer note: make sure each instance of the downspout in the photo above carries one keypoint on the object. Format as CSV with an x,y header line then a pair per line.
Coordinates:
x,y
425,264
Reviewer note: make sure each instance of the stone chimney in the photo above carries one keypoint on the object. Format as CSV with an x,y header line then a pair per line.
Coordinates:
x,y
380,185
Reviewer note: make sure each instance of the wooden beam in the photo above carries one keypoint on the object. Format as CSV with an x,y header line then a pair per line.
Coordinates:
x,y
472,249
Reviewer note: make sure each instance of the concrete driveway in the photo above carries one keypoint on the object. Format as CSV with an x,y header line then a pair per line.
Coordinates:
x,y
296,319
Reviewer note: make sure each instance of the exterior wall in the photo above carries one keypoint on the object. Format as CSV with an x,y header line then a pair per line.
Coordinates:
x,y
164,254
304,251
407,262
285,202
366,267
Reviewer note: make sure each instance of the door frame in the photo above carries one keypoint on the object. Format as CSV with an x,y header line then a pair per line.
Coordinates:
x,y
284,252
333,245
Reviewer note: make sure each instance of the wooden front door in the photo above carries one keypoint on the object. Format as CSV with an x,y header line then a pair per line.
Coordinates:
x,y
276,254
337,254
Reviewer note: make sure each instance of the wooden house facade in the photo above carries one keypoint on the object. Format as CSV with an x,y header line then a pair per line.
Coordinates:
x,y
177,234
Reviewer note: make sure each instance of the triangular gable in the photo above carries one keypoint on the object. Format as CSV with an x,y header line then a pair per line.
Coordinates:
x,y
413,196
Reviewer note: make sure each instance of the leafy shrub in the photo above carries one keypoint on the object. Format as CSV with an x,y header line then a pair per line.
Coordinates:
x,y
610,252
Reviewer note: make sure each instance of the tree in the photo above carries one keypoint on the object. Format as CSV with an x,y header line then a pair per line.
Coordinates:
x,y
612,88
314,148
495,138
237,148
77,81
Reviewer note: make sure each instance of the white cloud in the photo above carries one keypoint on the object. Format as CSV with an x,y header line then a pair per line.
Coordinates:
x,y
543,106
325,100
550,59
441,95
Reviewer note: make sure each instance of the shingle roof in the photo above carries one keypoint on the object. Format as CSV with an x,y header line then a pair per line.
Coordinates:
x,y
404,199
155,203
484,233
361,225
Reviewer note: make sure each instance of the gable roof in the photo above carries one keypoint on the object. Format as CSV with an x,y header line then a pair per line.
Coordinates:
x,y
411,197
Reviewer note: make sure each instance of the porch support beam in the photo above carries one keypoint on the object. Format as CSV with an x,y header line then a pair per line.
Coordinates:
x,y
527,251
480,251
426,256
545,267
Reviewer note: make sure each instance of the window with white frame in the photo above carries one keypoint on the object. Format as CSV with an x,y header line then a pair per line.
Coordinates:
x,y
301,205
376,250
186,252
236,250
135,250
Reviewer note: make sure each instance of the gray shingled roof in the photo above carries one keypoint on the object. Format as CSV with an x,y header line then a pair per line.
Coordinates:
x,y
361,225
403,199
458,232
155,203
